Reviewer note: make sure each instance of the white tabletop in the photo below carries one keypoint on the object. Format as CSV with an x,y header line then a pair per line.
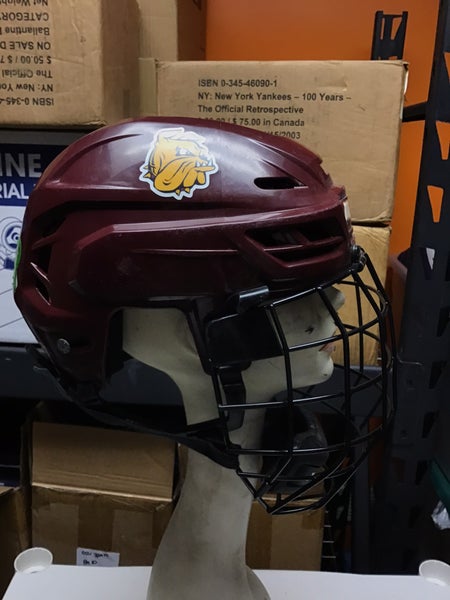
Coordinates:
x,y
117,583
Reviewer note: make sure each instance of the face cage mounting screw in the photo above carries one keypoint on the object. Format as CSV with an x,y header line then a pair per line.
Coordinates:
x,y
63,346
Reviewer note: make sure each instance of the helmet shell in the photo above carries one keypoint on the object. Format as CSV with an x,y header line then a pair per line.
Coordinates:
x,y
170,209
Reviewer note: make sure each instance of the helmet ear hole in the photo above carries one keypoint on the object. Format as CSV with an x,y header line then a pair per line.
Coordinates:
x,y
277,183
114,355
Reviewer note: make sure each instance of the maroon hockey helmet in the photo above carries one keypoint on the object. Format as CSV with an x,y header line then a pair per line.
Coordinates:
x,y
211,218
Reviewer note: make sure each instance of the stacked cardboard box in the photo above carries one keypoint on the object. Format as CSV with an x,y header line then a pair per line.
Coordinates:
x,y
68,64
76,64
99,491
348,112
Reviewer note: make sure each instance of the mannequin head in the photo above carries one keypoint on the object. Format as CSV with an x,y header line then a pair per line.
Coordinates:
x,y
305,320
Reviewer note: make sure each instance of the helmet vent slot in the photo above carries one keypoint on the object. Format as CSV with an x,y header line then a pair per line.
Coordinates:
x,y
42,257
317,232
295,255
53,225
276,183
278,237
321,230
42,289
300,242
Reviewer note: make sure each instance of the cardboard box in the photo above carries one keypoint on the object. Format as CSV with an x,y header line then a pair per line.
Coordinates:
x,y
23,157
348,112
68,63
14,531
102,490
292,541
172,29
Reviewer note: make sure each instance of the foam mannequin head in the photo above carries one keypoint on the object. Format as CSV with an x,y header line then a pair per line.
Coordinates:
x,y
162,339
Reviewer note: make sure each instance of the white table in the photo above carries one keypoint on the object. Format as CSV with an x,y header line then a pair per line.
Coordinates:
x,y
116,583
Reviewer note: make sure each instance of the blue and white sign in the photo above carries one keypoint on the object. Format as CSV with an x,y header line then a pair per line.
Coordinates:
x,y
24,155
21,165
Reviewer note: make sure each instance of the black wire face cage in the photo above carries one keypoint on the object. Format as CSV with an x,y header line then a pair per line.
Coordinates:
x,y
312,439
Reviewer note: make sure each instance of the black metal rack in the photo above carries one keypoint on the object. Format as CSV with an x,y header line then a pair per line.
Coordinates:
x,y
424,339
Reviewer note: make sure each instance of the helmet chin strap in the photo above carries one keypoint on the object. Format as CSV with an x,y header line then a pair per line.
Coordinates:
x,y
234,391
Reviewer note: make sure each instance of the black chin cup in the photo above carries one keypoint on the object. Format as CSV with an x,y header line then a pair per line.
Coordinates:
x,y
310,448
315,440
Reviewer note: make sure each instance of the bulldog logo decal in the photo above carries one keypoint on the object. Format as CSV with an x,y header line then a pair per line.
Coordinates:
x,y
177,163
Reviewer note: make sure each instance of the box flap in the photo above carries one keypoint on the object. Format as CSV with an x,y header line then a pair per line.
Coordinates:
x,y
102,460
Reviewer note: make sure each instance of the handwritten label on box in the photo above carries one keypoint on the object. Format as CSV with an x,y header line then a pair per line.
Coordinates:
x,y
86,557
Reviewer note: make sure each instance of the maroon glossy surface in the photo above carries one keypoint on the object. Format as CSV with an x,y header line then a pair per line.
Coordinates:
x,y
212,209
